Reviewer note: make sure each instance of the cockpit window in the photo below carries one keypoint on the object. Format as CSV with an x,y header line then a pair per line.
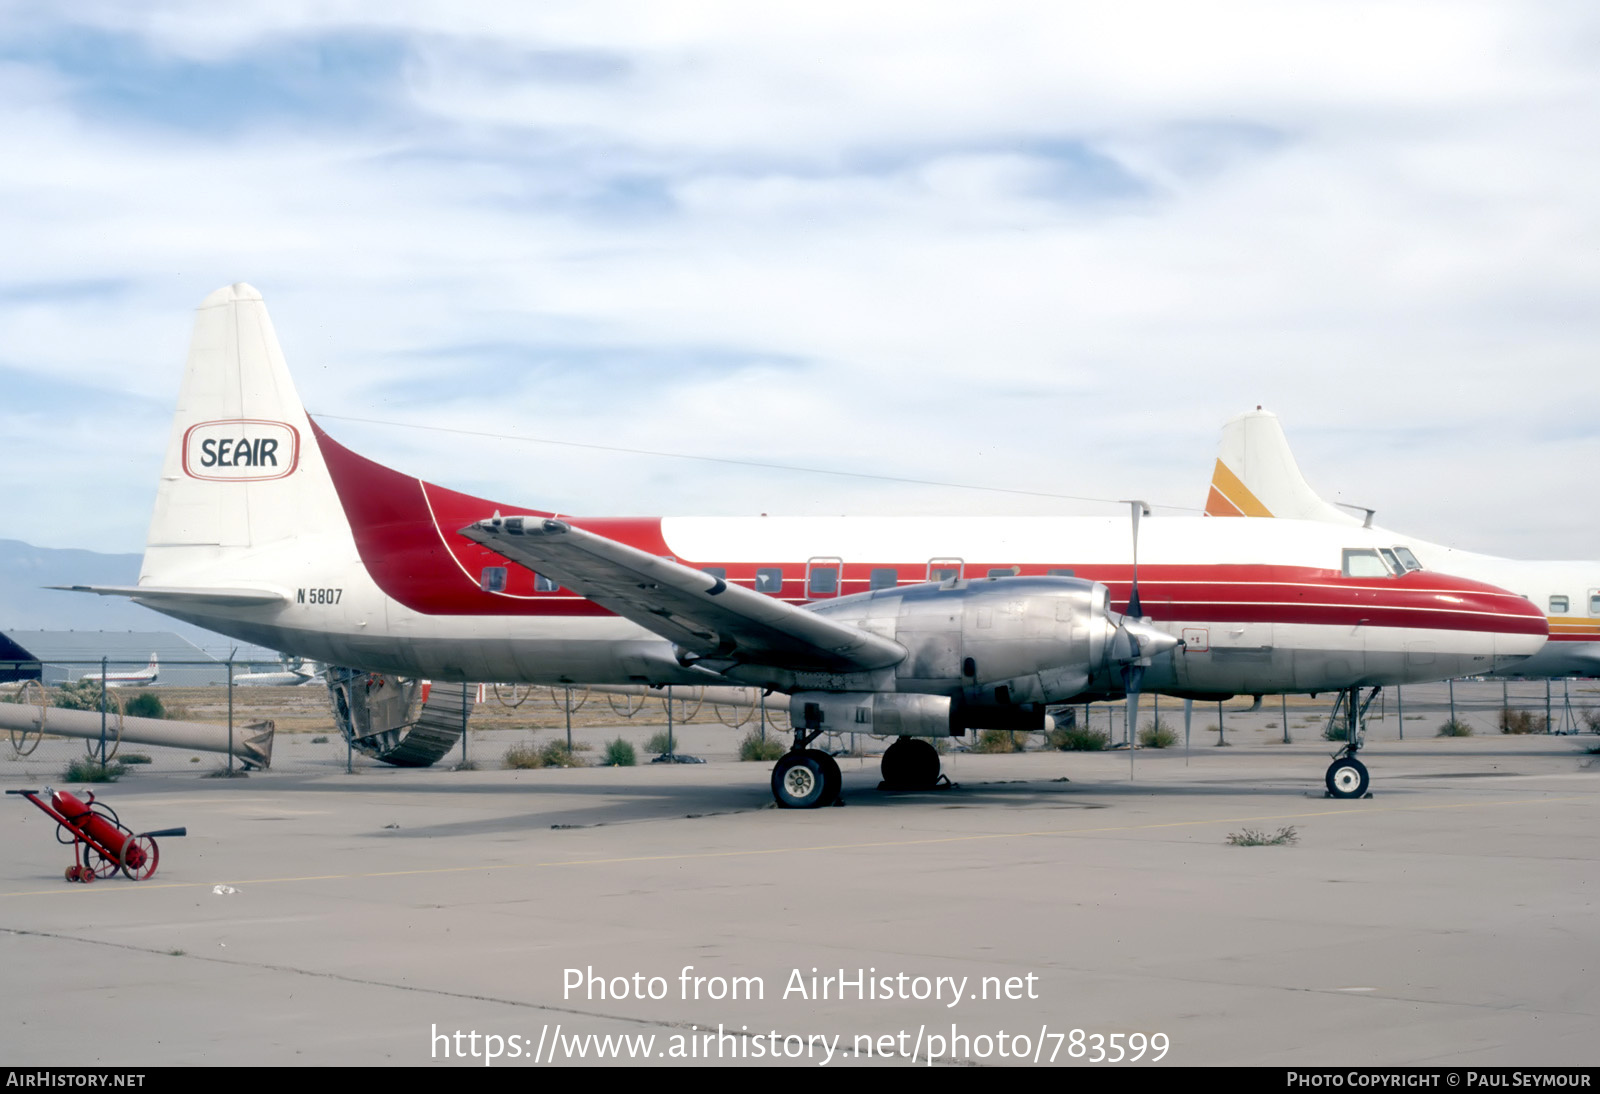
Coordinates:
x,y
1394,563
1407,559
1363,562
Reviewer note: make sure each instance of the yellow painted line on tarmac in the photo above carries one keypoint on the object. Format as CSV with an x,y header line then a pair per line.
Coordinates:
x,y
686,856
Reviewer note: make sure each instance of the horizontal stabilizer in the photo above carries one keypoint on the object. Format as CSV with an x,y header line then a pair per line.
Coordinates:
x,y
158,595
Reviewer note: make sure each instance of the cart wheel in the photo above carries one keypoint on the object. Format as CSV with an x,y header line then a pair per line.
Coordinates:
x,y
139,857
97,864
72,872
85,875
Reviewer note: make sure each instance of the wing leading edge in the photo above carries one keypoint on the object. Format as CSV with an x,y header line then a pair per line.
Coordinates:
x,y
705,616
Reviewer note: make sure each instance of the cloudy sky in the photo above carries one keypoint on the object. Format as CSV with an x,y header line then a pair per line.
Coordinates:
x,y
1048,247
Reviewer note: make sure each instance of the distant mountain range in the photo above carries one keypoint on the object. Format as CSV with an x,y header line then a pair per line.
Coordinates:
x,y
25,603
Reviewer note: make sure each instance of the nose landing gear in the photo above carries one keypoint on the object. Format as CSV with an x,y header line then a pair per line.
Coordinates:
x,y
1347,776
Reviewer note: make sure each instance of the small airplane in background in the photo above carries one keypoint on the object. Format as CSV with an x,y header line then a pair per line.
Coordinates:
x,y
1256,476
147,675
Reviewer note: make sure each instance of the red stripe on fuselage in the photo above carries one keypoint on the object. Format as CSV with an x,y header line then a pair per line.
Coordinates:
x,y
406,533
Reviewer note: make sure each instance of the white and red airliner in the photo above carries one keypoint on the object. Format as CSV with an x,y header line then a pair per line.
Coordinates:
x,y
268,530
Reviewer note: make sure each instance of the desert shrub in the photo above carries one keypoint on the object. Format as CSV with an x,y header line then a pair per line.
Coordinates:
x,y
145,705
999,740
93,771
554,753
755,749
133,759
1522,721
1252,837
1156,734
1455,727
557,754
1078,739
81,695
620,753
660,743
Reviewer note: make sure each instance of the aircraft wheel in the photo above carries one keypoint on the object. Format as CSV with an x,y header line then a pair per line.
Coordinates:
x,y
832,777
1347,778
911,764
800,780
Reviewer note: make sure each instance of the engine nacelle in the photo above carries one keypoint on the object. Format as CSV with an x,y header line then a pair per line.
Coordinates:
x,y
1004,642
886,713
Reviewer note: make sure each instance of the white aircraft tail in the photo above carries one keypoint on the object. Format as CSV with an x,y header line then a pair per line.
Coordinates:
x,y
242,471
1256,475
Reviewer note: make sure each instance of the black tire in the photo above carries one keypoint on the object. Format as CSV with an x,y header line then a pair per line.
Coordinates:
x,y
911,764
799,780
832,777
1347,778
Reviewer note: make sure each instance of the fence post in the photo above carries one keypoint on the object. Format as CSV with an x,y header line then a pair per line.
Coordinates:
x,y
102,712
230,710
1284,706
1400,709
1222,734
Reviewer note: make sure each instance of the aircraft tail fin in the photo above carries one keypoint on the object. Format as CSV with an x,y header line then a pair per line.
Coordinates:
x,y
1256,475
243,471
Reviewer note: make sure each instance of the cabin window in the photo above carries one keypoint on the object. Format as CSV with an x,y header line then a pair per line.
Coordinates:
x,y
718,572
1363,563
542,584
1594,603
1558,605
1407,559
823,581
769,579
1062,573
884,578
493,579
1003,571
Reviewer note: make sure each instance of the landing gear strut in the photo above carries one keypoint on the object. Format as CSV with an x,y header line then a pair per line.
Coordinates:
x,y
806,778
1347,776
910,764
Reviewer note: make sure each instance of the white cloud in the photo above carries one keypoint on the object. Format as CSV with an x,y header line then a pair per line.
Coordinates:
x,y
1035,245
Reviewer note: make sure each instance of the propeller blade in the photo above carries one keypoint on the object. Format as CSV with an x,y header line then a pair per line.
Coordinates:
x,y
1135,609
1132,677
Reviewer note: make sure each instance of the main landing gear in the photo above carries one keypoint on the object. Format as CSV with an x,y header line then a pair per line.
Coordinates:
x,y
1347,776
911,763
806,778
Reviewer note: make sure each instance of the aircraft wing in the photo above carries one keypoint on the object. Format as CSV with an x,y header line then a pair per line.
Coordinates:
x,y
702,614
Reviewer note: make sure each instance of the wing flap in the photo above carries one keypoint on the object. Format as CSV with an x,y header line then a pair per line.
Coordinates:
x,y
705,615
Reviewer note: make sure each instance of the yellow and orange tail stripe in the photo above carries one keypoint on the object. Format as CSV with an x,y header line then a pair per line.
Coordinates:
x,y
1231,498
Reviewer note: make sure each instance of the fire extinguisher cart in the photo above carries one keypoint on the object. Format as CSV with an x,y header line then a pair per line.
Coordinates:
x,y
101,843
